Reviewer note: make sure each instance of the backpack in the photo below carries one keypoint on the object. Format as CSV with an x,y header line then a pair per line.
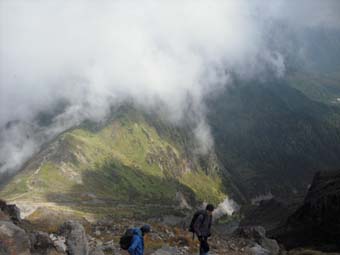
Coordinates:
x,y
125,240
194,218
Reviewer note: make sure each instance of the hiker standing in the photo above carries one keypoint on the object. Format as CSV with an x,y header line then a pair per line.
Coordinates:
x,y
137,243
201,227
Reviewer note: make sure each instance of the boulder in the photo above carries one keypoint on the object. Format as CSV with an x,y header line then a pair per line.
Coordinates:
x,y
12,211
13,239
258,235
316,223
75,236
257,250
59,243
41,243
270,245
4,216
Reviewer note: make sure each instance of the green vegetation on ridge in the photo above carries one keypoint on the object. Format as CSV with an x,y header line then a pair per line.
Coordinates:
x,y
125,162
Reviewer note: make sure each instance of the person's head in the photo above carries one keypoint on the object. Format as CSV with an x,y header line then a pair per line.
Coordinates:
x,y
145,229
210,208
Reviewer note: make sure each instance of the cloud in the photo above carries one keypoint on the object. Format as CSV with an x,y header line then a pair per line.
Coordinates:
x,y
306,13
228,206
93,55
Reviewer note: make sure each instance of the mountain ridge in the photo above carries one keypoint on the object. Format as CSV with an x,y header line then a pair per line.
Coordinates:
x,y
122,160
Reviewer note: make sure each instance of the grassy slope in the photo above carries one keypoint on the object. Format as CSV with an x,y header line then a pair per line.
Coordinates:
x,y
123,163
323,88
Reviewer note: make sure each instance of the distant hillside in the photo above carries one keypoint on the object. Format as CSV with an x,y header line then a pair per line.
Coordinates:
x,y
273,138
124,166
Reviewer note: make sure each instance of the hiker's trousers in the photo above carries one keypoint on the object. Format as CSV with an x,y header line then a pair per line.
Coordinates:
x,y
204,246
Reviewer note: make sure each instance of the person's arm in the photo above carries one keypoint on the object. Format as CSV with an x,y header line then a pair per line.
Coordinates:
x,y
210,223
134,244
197,225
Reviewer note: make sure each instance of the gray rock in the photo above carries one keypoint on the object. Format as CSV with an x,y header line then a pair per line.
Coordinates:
x,y
12,211
271,245
59,243
42,244
257,250
13,240
258,235
76,240
41,241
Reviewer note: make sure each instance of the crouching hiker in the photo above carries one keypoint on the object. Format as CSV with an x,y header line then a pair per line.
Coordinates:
x,y
200,225
133,240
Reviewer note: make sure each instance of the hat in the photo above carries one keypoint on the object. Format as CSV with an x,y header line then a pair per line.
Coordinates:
x,y
146,228
210,208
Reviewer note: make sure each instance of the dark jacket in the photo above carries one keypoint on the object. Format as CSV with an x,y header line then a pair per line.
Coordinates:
x,y
202,224
137,243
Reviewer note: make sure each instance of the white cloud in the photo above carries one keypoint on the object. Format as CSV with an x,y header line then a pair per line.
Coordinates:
x,y
228,206
98,53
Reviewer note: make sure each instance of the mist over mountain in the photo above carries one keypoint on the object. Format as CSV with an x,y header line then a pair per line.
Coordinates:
x,y
62,63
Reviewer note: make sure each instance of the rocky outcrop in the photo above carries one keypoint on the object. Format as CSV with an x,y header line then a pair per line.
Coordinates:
x,y
11,212
316,222
42,244
101,237
13,239
76,239
18,238
257,234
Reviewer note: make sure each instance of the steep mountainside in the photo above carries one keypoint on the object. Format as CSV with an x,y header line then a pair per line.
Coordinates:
x,y
274,134
316,222
124,165
273,138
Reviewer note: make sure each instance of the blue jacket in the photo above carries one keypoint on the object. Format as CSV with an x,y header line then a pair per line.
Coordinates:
x,y
137,243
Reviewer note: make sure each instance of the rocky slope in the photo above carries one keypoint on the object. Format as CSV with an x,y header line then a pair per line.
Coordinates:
x,y
80,237
101,237
316,223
